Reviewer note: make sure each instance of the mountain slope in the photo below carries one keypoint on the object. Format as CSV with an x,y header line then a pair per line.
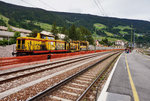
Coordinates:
x,y
27,18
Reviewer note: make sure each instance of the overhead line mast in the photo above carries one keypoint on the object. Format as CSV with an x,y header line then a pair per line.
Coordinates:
x,y
47,4
40,1
98,7
28,3
102,7
131,34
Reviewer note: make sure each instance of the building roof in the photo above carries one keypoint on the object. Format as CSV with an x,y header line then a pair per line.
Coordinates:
x,y
23,35
47,33
3,28
21,30
119,41
16,29
61,34
6,34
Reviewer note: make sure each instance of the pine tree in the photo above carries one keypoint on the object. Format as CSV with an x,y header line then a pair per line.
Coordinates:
x,y
63,29
72,32
86,35
54,30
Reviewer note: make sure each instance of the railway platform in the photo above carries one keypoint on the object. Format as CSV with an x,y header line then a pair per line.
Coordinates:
x,y
129,79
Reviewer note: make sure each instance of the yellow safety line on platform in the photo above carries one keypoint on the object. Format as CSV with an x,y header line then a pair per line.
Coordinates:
x,y
135,94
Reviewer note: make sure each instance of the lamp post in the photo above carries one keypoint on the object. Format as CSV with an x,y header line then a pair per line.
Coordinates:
x,y
133,38
95,42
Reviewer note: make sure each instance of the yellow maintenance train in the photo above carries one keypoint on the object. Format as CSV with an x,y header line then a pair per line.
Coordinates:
x,y
39,45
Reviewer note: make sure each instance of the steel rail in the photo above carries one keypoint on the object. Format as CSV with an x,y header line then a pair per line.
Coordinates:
x,y
97,78
44,69
42,65
63,82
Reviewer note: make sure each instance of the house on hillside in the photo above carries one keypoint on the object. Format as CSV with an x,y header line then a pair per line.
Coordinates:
x,y
120,43
97,43
61,36
23,32
6,35
3,28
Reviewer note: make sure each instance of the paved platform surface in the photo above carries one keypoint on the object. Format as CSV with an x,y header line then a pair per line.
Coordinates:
x,y
121,84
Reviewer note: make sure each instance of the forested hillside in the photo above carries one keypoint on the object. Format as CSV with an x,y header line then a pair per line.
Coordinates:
x,y
35,18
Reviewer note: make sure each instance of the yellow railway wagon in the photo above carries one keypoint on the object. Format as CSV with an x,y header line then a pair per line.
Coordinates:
x,y
38,45
74,46
84,45
29,44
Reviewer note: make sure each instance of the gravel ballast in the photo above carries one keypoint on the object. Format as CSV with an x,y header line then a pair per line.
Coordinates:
x,y
30,91
92,73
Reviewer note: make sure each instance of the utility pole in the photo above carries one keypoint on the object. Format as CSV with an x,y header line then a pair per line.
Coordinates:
x,y
131,36
95,39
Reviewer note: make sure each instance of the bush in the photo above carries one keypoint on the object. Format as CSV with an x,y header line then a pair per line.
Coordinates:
x,y
106,42
3,42
13,40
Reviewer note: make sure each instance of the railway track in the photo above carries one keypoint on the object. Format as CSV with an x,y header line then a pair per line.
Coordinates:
x,y
76,86
12,75
31,87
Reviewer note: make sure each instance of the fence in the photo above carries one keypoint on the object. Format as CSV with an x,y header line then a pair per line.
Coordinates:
x,y
32,58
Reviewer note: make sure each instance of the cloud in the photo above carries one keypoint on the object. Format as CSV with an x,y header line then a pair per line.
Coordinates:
x,y
133,9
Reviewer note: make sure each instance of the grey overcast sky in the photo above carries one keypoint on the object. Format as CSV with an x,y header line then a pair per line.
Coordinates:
x,y
131,9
